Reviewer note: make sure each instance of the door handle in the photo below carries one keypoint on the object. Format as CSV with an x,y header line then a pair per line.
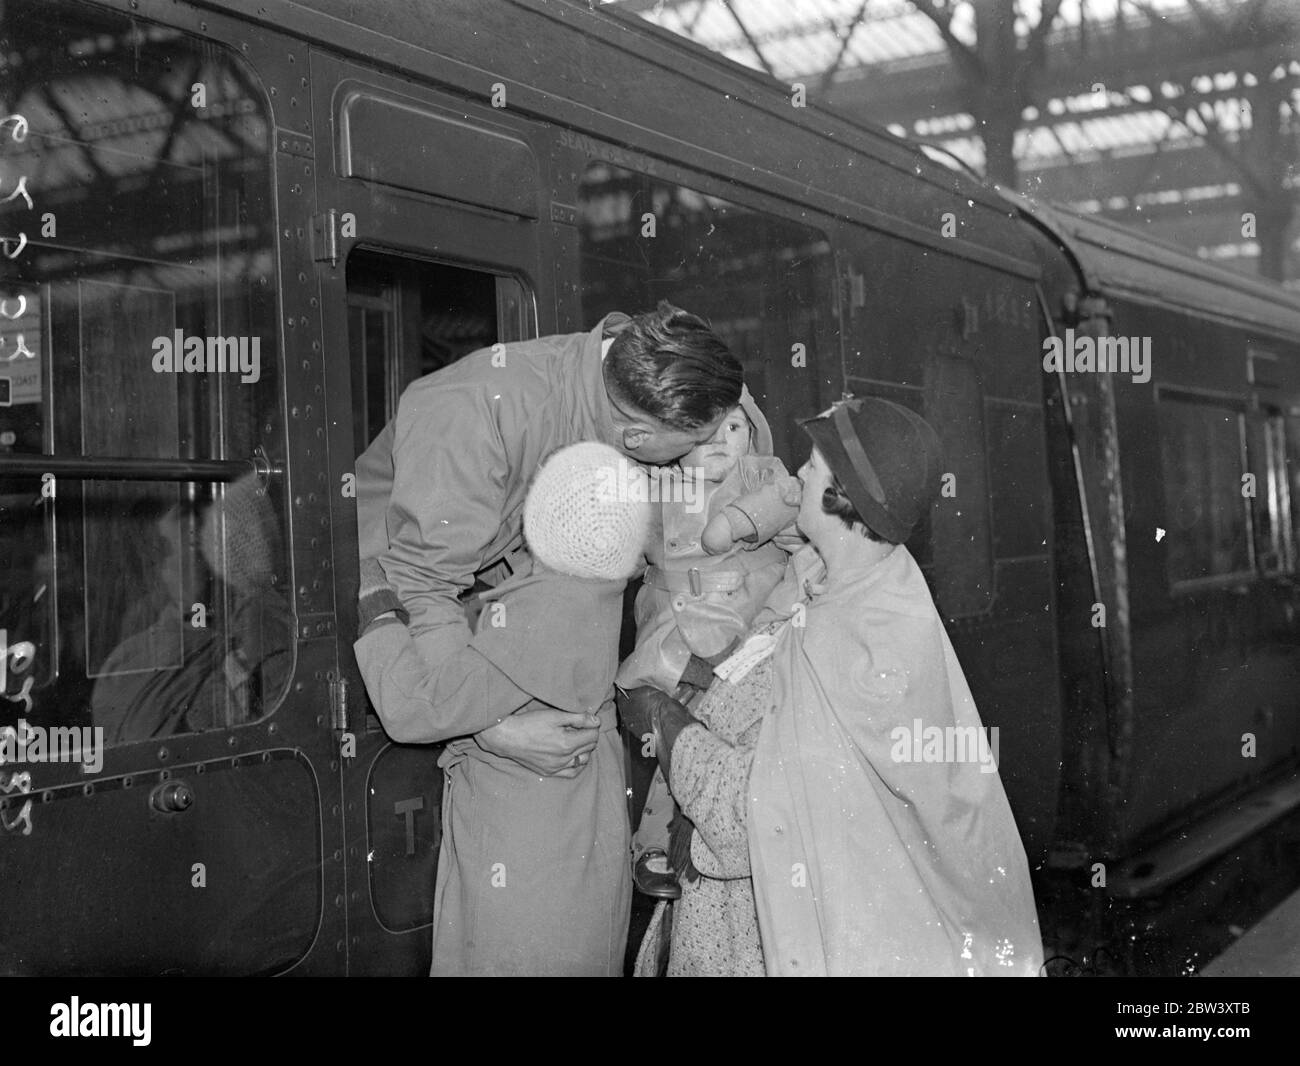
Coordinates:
x,y
171,797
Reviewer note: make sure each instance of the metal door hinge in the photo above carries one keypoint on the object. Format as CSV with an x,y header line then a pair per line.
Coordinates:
x,y
338,703
325,237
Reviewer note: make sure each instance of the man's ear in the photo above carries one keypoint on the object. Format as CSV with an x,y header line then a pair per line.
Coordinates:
x,y
635,436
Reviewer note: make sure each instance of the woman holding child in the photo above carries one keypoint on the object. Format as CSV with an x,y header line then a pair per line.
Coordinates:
x,y
815,852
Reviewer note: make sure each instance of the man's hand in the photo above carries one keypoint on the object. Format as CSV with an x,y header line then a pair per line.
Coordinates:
x,y
547,741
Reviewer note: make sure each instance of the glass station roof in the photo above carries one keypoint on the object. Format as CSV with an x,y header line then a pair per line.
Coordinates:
x,y
1186,105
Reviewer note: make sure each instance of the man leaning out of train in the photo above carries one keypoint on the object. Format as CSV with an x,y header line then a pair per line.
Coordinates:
x,y
440,504
818,848
440,492
533,877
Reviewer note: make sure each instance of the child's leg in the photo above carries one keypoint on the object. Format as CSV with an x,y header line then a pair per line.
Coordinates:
x,y
652,831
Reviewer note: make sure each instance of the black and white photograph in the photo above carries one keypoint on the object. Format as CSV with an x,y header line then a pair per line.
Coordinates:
x,y
651,488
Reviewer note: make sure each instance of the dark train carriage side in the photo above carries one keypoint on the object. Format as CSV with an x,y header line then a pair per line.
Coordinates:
x,y
1184,709
829,256
420,180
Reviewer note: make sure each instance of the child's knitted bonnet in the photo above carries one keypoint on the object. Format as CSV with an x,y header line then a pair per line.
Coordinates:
x,y
588,512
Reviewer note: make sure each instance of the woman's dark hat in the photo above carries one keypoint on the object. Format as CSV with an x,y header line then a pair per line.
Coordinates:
x,y
887,458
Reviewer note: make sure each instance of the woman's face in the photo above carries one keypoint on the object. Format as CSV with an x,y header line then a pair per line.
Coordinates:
x,y
815,476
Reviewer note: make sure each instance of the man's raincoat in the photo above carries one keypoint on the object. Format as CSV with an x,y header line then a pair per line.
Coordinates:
x,y
879,838
440,492
440,496
533,876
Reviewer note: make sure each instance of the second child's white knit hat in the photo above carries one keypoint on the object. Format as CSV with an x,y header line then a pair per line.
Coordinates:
x,y
588,512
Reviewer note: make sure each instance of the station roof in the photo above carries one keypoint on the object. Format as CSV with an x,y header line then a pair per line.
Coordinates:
x,y
808,37
1116,130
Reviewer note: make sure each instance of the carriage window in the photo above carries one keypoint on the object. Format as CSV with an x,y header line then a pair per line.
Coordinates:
x,y
1274,535
1290,478
764,283
1202,448
139,322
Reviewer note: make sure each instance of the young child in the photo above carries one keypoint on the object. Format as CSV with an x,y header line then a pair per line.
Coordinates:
x,y
712,564
532,872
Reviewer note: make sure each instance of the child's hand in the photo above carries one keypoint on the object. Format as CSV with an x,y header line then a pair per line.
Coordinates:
x,y
791,489
717,536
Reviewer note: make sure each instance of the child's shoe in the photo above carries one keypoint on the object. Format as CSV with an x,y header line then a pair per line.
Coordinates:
x,y
653,875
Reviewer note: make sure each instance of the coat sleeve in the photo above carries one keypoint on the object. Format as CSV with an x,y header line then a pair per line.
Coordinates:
x,y
450,476
767,501
417,705
710,783
374,489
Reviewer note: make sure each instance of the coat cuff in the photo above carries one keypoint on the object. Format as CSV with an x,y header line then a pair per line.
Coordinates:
x,y
742,526
374,602
698,673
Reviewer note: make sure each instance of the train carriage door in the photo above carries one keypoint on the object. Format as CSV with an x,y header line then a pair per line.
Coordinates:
x,y
163,778
1272,491
427,247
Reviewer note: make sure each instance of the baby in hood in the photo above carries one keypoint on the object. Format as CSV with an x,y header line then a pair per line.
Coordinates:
x,y
532,872
713,562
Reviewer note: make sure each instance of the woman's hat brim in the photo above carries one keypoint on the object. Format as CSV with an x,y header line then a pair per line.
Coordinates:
x,y
827,439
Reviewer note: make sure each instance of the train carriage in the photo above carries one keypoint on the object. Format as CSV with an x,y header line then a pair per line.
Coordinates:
x,y
252,224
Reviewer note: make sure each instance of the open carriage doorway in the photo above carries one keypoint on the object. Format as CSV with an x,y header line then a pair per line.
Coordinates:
x,y
410,317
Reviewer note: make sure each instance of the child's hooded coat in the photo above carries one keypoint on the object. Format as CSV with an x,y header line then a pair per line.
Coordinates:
x,y
672,623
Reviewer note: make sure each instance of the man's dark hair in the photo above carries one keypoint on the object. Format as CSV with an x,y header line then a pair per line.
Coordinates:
x,y
836,501
670,364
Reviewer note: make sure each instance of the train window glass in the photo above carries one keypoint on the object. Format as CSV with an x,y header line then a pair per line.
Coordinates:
x,y
1021,508
962,537
764,283
1202,449
408,318
1274,533
1291,478
145,301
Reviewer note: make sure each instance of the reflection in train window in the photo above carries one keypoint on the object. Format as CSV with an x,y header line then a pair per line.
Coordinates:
x,y
147,298
1290,477
1274,535
763,282
1202,448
